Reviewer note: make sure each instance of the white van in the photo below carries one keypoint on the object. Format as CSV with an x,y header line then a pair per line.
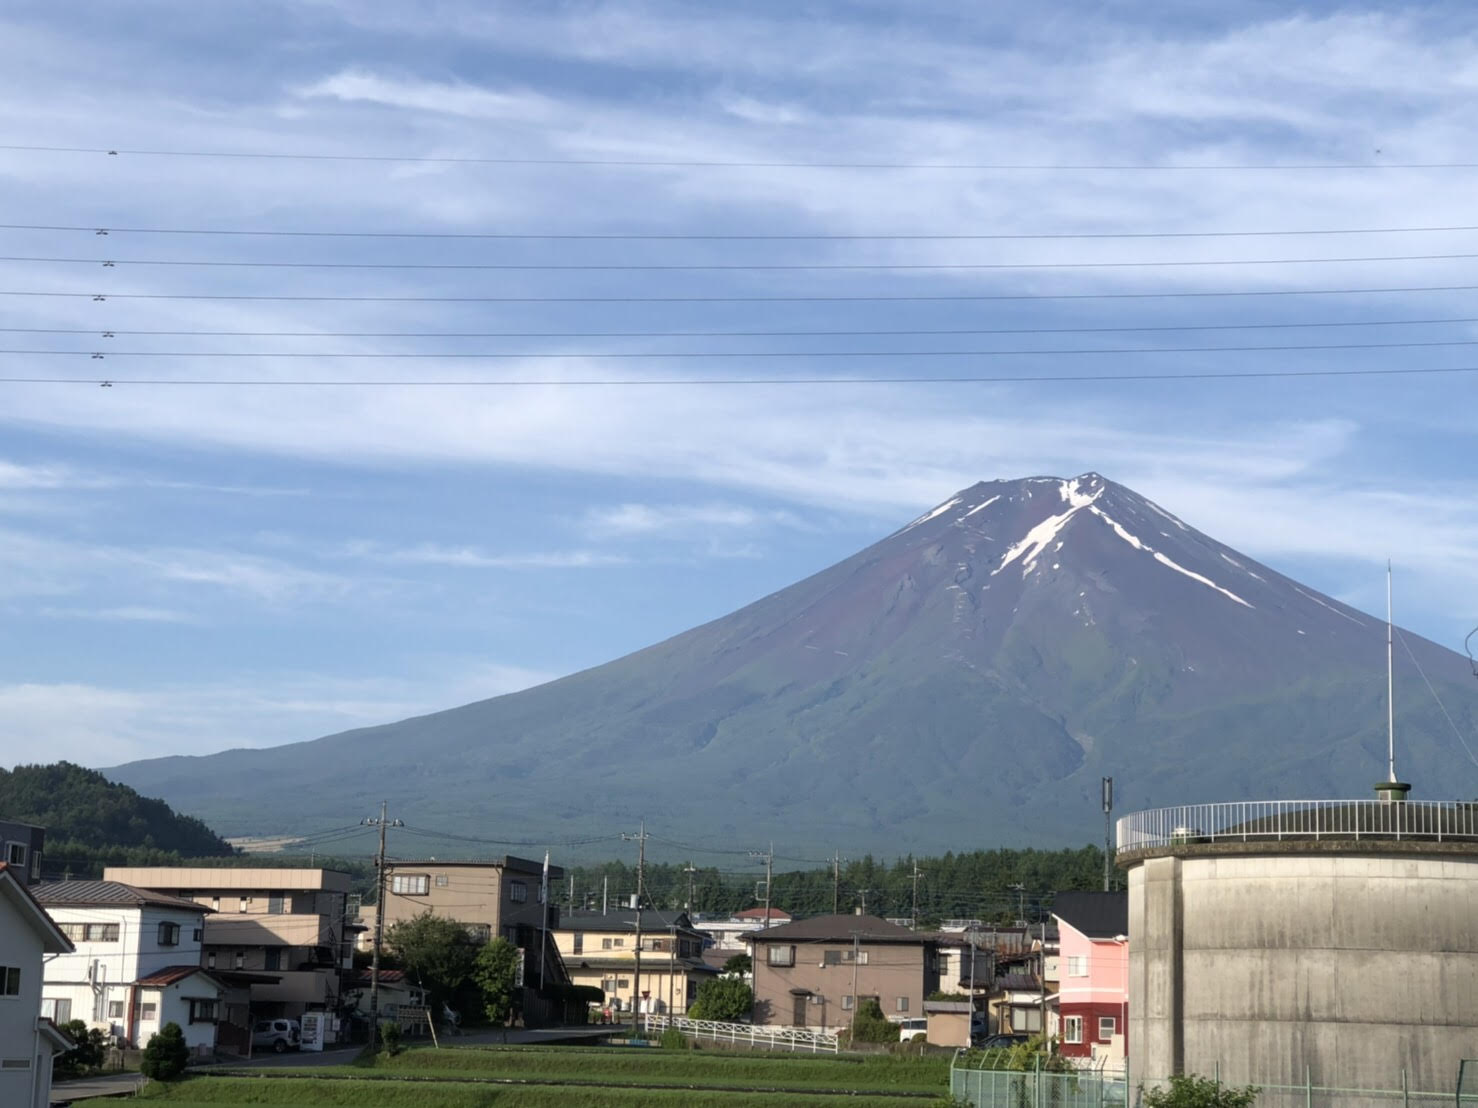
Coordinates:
x,y
908,1028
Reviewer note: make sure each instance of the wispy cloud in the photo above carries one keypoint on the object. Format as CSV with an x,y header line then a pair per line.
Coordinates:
x,y
126,614
467,557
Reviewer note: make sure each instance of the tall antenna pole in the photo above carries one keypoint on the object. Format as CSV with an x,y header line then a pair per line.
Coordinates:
x,y
1108,838
1390,685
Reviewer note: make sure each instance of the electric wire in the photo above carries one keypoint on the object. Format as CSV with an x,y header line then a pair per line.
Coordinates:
x,y
782,299
1448,715
724,267
643,236
114,332
673,163
707,382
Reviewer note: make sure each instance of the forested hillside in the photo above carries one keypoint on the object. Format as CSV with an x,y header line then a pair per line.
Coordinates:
x,y
91,821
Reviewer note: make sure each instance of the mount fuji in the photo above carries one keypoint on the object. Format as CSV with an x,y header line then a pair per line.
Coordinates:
x,y
962,683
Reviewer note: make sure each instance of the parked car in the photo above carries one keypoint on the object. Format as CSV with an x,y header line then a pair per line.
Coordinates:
x,y
279,1035
908,1028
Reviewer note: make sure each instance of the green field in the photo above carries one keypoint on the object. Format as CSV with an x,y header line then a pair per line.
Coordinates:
x,y
575,1077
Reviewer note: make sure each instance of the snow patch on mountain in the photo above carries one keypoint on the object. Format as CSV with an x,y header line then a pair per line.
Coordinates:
x,y
981,507
1210,584
939,511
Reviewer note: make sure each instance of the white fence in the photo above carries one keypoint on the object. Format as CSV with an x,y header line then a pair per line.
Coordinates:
x,y
1280,820
754,1035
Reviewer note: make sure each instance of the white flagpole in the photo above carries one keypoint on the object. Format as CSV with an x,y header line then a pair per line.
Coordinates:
x,y
544,923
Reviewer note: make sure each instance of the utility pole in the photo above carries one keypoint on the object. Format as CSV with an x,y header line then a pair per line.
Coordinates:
x,y
1047,1042
382,824
856,947
641,870
836,882
917,873
690,869
1020,891
769,857
605,890
1108,841
572,890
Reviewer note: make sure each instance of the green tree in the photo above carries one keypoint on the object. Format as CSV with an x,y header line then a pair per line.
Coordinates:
x,y
495,971
725,999
739,965
165,1054
436,952
87,1055
1191,1091
869,1025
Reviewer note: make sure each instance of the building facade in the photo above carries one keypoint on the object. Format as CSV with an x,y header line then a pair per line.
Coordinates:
x,y
599,950
21,846
1093,991
28,1041
135,963
813,973
502,898
288,926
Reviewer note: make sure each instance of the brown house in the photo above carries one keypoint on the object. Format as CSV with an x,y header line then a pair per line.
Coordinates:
x,y
599,950
812,973
498,898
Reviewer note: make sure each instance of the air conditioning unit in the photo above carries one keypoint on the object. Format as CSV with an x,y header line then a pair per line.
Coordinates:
x,y
817,999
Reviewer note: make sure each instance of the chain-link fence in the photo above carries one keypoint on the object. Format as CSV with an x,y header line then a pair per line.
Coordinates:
x,y
973,1080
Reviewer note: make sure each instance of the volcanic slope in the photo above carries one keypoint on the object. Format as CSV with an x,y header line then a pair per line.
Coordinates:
x,y
963,682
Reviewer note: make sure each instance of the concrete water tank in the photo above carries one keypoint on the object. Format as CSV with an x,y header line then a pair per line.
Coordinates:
x,y
1334,941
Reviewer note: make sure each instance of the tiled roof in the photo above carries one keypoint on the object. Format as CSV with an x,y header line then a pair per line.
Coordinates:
x,y
1096,915
841,928
759,913
623,919
170,974
107,894
1017,982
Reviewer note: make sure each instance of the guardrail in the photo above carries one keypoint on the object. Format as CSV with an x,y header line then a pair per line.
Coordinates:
x,y
755,1035
1298,820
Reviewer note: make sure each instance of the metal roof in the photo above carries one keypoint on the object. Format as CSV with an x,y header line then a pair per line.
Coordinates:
x,y
107,894
838,929
1096,915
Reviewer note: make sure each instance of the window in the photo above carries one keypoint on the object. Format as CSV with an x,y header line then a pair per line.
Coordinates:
x,y
241,959
215,904
902,1005
58,1011
832,958
606,943
861,958
620,942
579,942
15,854
197,934
202,1011
169,934
274,957
410,884
115,1009
91,932
35,865
275,904
210,960
479,932
148,1011
1077,966
846,1004
245,900
780,955
518,892
442,881
1107,1025
1072,1029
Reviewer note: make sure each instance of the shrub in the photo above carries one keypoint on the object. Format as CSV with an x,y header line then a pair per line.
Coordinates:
x,y
940,994
870,1025
1191,1091
165,1055
725,999
89,1053
390,1043
673,1039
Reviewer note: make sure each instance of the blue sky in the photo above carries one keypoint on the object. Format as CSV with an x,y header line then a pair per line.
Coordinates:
x,y
190,567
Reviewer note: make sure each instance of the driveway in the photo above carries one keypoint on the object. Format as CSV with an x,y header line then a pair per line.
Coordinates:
x,y
85,1088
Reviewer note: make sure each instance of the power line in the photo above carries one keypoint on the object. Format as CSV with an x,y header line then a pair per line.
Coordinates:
x,y
908,332
109,382
531,355
638,236
796,299
724,267
108,332
654,163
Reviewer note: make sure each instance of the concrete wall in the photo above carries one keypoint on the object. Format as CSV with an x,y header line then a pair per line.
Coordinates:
x,y
1355,960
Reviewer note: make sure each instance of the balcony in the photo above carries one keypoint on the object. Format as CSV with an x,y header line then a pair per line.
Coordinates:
x,y
1271,821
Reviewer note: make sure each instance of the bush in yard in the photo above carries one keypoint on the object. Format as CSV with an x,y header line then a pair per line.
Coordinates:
x,y
724,999
673,1039
739,965
871,1026
89,1053
1191,1091
390,1038
166,1054
495,971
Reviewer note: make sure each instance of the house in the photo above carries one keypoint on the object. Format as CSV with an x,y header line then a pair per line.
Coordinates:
x,y
499,898
135,963
289,928
728,932
1094,992
20,849
812,973
28,1041
599,950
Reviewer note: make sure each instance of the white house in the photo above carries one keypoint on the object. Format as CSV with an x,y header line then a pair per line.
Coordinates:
x,y
136,964
28,1042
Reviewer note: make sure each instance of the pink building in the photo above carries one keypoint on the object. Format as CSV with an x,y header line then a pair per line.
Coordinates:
x,y
1093,992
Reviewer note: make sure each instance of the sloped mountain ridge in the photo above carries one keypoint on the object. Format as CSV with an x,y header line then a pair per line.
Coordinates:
x,y
965,681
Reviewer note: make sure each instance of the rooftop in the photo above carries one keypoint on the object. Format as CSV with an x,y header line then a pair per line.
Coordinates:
x,y
107,894
624,919
211,879
507,862
1096,915
839,928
